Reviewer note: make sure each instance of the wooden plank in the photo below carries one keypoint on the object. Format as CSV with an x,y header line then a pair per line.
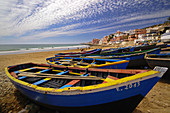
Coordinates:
x,y
20,78
48,78
73,82
84,63
22,70
59,76
110,79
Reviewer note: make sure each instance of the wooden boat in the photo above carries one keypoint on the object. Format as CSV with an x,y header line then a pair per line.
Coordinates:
x,y
119,54
161,45
159,60
131,49
136,59
88,62
78,54
78,90
144,47
117,50
165,50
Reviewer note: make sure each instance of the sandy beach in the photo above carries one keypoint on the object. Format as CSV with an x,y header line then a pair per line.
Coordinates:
x,y
12,101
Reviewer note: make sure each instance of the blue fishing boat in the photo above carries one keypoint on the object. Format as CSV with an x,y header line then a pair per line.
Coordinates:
x,y
72,89
78,54
144,47
131,49
117,50
88,62
136,59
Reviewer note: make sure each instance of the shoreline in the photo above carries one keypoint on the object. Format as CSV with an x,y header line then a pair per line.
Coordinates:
x,y
31,50
12,101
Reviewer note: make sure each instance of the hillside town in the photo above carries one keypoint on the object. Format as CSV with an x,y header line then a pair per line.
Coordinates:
x,y
137,36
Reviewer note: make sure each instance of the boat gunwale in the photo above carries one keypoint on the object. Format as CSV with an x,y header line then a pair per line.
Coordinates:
x,y
129,55
78,54
156,57
96,65
138,76
67,91
90,65
163,59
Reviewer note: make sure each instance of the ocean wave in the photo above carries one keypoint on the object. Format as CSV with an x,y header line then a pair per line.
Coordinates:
x,y
41,49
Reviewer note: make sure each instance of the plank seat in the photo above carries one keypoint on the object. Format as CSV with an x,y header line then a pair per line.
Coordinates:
x,y
20,78
23,77
73,82
110,79
47,79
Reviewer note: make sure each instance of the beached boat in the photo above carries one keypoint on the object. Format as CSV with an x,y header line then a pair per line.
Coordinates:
x,y
161,45
144,47
88,62
78,54
166,37
159,60
132,49
78,90
120,54
117,50
136,59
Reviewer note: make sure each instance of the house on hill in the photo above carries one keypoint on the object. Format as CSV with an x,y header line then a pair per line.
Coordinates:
x,y
95,41
104,40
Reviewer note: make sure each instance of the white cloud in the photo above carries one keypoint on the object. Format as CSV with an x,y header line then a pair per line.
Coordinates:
x,y
31,18
59,33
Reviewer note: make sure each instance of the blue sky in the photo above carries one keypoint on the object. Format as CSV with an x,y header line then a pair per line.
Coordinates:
x,y
75,21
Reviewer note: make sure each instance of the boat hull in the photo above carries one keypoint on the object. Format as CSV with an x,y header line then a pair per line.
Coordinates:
x,y
120,98
135,60
118,50
95,51
160,62
128,104
116,63
144,47
139,61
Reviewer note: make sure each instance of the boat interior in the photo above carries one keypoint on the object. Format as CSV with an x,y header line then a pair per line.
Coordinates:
x,y
79,61
61,77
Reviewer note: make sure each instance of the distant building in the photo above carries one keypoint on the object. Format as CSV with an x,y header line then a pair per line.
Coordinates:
x,y
129,32
139,31
95,41
111,42
151,33
132,37
104,40
141,36
162,29
152,30
118,34
154,33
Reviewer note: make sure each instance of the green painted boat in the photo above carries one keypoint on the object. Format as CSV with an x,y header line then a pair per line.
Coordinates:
x,y
136,59
121,54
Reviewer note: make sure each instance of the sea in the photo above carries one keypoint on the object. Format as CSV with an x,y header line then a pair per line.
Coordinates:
x,y
28,48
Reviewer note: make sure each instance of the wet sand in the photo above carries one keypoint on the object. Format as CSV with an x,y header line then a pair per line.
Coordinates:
x,y
12,101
